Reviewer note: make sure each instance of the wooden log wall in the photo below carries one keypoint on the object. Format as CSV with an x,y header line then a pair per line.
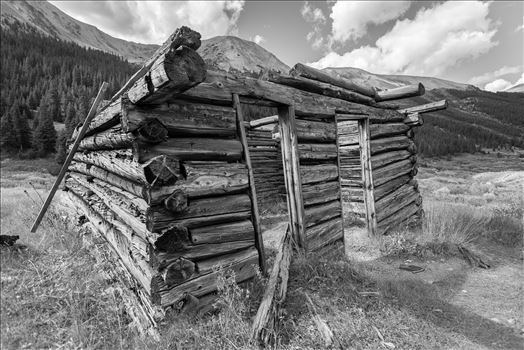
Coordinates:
x,y
167,185
393,163
317,150
266,159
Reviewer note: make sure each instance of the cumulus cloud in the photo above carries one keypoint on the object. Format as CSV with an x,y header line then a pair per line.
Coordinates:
x,y
351,18
154,21
316,17
521,27
490,76
258,39
436,39
503,84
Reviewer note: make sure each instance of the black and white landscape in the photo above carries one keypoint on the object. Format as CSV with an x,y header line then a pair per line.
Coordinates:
x,y
466,254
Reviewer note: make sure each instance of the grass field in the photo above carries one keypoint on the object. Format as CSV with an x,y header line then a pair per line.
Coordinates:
x,y
53,295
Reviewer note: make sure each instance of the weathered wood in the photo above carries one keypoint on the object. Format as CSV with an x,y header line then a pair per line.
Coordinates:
x,y
173,72
107,117
425,108
203,207
403,215
205,284
179,271
387,129
392,171
324,233
321,212
115,137
69,157
259,242
400,92
182,118
266,323
317,151
391,144
219,87
181,36
292,174
159,170
318,173
311,73
314,131
367,176
190,149
263,121
228,232
390,186
224,261
321,88
320,192
176,202
382,159
414,119
395,201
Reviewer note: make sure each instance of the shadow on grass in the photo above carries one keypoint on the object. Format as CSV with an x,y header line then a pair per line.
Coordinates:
x,y
410,313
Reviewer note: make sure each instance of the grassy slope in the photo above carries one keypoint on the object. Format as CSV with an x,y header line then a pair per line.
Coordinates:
x,y
53,294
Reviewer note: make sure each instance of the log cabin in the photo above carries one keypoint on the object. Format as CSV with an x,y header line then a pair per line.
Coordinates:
x,y
169,172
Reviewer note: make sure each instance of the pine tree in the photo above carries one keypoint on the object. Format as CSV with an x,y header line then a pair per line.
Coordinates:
x,y
44,137
61,147
70,119
21,128
7,137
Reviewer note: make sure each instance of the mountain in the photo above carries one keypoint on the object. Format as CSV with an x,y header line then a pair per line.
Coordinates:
x,y
383,81
232,54
49,20
515,88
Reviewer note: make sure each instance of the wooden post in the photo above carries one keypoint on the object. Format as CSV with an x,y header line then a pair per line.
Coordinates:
x,y
339,180
367,178
291,164
69,158
259,241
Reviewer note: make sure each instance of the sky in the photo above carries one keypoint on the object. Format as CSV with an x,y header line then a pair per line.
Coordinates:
x,y
476,42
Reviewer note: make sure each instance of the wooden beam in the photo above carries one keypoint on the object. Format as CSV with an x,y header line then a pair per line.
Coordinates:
x,y
263,121
259,241
311,73
367,178
425,108
291,164
400,92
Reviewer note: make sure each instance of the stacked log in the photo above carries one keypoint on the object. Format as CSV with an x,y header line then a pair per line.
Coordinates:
x,y
351,171
318,155
167,185
266,159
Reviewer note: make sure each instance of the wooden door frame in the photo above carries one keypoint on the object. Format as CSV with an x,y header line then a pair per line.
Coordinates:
x,y
366,169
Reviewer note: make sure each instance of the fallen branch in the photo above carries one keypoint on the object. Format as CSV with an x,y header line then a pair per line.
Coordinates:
x,y
472,258
266,323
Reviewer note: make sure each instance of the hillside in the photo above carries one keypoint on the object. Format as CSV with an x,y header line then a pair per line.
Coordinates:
x,y
49,20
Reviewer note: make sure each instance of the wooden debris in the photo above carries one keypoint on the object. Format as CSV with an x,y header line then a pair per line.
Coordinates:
x,y
472,258
266,323
330,340
7,240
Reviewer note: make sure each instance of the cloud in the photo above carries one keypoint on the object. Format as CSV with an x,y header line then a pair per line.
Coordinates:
x,y
258,39
436,39
351,18
316,17
154,21
502,84
490,76
312,15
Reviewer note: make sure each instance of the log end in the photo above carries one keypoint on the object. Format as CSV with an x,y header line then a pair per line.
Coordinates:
x,y
184,68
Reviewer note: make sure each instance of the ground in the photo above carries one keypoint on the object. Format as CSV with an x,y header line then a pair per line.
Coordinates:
x,y
54,296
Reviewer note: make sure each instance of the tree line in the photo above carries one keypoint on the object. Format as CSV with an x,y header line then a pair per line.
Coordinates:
x,y
46,80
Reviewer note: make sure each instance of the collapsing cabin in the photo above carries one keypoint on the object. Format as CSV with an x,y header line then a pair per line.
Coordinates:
x,y
165,175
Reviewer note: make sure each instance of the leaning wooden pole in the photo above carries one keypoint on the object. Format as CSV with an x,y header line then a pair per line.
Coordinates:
x,y
70,156
266,322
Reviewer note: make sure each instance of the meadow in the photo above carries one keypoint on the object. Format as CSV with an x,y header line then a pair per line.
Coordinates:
x,y
54,296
